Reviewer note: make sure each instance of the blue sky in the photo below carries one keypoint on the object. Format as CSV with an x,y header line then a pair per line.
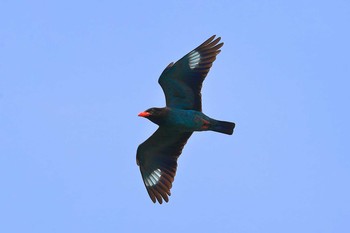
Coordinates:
x,y
75,74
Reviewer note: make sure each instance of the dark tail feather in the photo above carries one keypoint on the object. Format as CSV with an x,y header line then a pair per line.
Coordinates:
x,y
223,127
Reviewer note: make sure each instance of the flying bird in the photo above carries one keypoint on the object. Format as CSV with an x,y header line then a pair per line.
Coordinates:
x,y
181,83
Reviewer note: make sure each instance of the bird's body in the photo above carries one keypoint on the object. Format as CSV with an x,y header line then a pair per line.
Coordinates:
x,y
181,83
187,120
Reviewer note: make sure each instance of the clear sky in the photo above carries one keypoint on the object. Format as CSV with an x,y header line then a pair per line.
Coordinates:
x,y
75,74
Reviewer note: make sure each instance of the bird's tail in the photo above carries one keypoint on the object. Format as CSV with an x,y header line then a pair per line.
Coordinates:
x,y
222,127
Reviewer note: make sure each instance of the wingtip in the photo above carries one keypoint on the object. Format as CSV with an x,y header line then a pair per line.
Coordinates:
x,y
217,38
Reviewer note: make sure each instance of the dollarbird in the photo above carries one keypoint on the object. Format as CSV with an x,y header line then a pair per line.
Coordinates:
x,y
181,83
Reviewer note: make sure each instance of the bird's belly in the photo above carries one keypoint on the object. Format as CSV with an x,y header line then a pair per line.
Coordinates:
x,y
187,122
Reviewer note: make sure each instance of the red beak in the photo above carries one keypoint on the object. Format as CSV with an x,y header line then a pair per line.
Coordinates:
x,y
144,114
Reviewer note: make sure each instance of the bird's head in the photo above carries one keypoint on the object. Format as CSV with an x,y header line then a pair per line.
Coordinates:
x,y
156,115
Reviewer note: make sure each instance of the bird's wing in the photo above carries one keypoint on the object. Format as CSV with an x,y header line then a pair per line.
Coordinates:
x,y
157,158
182,81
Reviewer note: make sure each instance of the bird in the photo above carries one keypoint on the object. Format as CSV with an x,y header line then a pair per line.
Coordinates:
x,y
181,83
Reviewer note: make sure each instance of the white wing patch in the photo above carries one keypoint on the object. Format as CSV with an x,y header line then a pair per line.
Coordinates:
x,y
153,178
194,58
